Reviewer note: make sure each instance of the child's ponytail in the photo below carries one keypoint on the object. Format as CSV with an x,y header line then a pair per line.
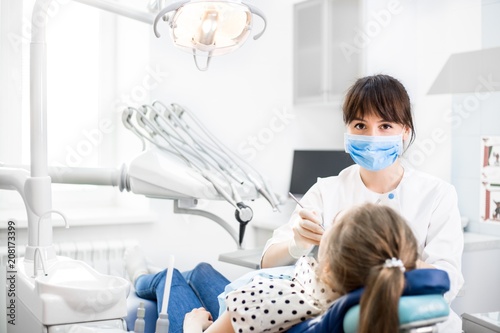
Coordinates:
x,y
379,303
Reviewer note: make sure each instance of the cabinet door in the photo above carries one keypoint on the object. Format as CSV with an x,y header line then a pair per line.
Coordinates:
x,y
343,62
309,51
323,30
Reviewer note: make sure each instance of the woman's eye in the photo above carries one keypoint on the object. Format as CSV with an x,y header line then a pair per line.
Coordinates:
x,y
386,126
359,126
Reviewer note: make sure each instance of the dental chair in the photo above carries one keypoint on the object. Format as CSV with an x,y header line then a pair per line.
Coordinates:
x,y
421,307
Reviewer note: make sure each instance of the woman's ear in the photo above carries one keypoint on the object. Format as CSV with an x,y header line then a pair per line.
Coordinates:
x,y
406,133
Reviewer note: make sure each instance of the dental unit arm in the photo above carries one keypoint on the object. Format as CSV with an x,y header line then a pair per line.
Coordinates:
x,y
176,132
184,163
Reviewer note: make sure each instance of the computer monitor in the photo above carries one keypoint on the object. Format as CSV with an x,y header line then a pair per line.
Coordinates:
x,y
308,165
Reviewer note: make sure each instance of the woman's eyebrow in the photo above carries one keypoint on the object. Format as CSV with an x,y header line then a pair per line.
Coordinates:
x,y
357,119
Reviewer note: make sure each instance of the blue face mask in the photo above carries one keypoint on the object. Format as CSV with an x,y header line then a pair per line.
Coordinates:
x,y
373,153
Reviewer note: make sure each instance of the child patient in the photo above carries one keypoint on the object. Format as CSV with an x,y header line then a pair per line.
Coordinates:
x,y
367,246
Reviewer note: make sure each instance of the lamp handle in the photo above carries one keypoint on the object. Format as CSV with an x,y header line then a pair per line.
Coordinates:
x,y
164,11
259,13
198,65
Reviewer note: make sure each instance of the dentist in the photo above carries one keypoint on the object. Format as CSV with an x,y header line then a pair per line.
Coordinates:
x,y
378,119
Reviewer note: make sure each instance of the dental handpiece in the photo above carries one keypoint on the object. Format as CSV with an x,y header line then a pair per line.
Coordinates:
x,y
301,206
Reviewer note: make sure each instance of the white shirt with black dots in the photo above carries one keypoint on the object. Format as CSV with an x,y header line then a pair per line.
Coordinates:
x,y
276,303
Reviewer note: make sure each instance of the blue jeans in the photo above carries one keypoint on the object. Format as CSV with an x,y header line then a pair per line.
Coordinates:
x,y
193,289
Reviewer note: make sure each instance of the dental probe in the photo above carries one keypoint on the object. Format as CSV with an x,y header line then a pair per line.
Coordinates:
x,y
295,199
300,205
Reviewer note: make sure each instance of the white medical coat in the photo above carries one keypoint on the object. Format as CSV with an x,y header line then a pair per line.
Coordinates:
x,y
428,204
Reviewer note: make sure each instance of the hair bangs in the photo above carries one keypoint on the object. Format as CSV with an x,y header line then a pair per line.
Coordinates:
x,y
379,95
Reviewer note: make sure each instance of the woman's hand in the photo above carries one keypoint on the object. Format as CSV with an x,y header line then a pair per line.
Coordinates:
x,y
197,321
307,229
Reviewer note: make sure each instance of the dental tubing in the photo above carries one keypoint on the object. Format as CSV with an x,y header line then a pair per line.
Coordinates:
x,y
162,323
168,283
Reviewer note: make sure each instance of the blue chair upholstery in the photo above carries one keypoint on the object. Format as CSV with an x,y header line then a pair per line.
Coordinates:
x,y
414,311
430,283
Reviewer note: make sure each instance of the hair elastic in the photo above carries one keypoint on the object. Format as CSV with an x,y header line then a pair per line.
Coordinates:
x,y
393,262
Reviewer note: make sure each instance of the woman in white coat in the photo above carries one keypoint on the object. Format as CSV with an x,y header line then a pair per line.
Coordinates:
x,y
378,118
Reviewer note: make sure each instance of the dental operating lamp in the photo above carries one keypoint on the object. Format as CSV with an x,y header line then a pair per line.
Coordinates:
x,y
43,278
223,26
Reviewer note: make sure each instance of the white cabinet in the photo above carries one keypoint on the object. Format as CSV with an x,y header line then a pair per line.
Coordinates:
x,y
324,66
481,290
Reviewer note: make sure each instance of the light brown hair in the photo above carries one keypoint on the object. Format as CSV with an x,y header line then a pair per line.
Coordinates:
x,y
381,95
360,242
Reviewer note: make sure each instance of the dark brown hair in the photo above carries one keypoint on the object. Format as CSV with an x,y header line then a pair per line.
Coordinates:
x,y
362,239
381,95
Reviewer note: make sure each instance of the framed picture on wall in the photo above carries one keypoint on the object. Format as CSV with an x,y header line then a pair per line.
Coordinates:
x,y
490,179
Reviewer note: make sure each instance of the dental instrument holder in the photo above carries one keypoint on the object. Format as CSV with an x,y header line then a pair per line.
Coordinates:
x,y
188,145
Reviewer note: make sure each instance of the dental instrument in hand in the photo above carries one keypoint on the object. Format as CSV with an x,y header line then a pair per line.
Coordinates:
x,y
301,206
315,249
295,199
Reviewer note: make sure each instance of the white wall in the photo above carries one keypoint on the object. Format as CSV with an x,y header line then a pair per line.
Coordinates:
x,y
413,45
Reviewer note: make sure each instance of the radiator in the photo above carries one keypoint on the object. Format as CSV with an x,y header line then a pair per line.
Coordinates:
x,y
106,257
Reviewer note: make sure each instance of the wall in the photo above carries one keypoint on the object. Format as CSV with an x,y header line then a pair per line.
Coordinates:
x,y
477,115
413,44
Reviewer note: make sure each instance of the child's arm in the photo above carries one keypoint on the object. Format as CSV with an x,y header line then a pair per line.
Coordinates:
x,y
199,320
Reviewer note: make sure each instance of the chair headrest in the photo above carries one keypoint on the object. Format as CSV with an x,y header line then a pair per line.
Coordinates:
x,y
426,281
418,282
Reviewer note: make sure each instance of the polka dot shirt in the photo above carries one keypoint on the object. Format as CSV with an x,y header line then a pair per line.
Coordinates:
x,y
275,303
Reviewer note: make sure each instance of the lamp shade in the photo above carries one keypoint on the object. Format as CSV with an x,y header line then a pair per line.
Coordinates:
x,y
211,27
